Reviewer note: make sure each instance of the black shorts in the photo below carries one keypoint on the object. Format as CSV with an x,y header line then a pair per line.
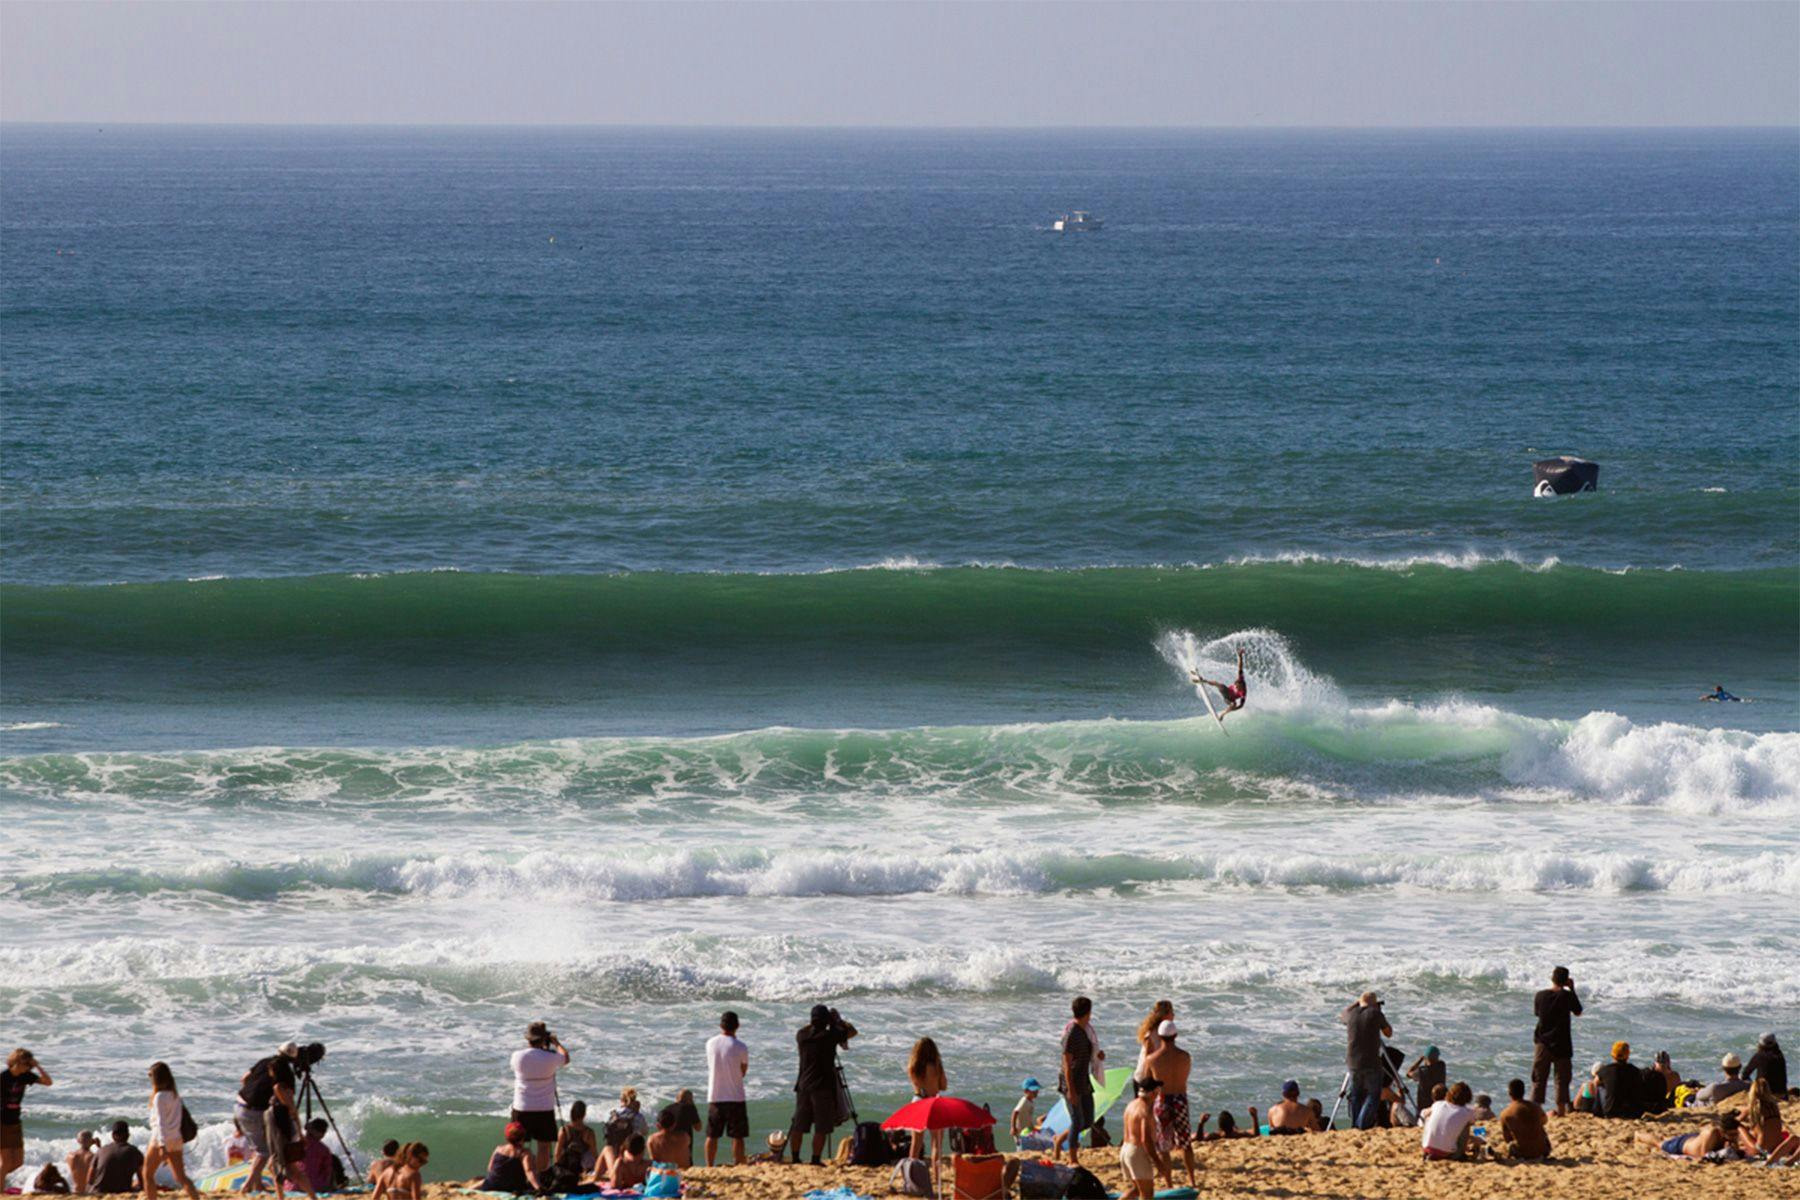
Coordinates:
x,y
816,1110
727,1118
540,1124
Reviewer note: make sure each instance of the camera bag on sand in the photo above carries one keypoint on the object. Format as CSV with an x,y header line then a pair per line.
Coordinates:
x,y
1085,1185
912,1177
869,1146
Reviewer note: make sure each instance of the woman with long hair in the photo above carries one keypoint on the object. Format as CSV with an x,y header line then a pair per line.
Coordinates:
x,y
925,1069
1148,1042
166,1142
404,1179
1764,1133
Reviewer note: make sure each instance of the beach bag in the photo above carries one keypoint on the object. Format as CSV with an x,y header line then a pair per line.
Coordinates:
x,y
190,1129
1043,1180
869,1146
912,1177
1085,1185
663,1181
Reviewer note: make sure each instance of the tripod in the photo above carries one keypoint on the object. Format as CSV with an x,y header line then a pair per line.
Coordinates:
x,y
309,1091
1390,1072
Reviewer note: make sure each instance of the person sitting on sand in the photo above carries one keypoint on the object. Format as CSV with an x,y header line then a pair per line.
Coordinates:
x,y
1399,1116
1444,1133
1763,1127
687,1119
1722,1089
577,1146
1137,1158
119,1166
511,1167
1588,1100
1484,1107
1621,1085
670,1143
384,1164
1288,1115
404,1176
81,1161
1228,1127
1661,1077
1768,1063
1714,1139
633,1166
1321,1122
49,1182
239,1147
1524,1126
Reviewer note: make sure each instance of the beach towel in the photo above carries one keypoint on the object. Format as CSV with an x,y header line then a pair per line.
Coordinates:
x,y
836,1193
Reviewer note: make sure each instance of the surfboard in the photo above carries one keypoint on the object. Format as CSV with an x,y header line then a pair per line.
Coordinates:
x,y
230,1179
1206,699
1105,1096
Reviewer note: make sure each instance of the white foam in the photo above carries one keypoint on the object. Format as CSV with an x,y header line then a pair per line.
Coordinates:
x,y
22,726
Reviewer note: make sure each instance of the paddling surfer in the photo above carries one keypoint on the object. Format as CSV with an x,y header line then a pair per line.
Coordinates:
x,y
1721,695
1234,693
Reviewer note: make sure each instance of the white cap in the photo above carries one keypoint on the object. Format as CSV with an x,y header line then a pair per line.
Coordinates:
x,y
1166,1029
289,1050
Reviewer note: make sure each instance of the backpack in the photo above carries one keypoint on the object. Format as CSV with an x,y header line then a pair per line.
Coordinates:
x,y
869,1146
912,1177
618,1129
1085,1185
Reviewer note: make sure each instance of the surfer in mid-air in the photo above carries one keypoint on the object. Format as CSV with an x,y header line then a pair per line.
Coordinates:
x,y
1233,692
1721,695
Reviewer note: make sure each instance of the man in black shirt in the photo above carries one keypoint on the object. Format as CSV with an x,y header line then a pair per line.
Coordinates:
x,y
21,1071
816,1088
120,1165
1621,1085
1367,1025
1077,1081
1554,1047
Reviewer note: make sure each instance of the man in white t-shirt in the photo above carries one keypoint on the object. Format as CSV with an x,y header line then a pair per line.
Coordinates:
x,y
534,1088
727,1114
1444,1131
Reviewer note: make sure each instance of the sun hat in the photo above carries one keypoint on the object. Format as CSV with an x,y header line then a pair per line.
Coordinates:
x,y
1731,1062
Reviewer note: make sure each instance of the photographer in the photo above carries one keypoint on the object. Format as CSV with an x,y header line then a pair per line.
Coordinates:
x,y
1367,1025
267,1114
816,1087
1553,1046
534,1089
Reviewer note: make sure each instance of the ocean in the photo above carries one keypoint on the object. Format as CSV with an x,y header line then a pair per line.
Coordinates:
x,y
453,578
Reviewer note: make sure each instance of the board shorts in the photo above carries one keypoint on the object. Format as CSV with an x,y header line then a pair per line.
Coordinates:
x,y
815,1110
12,1137
727,1118
1676,1144
1136,1162
539,1123
251,1121
284,1142
1173,1131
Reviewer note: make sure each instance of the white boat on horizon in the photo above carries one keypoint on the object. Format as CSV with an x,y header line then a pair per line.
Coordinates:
x,y
1076,222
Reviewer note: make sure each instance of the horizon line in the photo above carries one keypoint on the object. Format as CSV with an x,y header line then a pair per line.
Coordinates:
x,y
894,127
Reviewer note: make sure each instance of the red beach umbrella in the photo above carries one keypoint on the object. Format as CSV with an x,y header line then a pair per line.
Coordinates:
x,y
939,1112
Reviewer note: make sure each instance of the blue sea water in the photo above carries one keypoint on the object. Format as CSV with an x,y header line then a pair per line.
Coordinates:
x,y
617,573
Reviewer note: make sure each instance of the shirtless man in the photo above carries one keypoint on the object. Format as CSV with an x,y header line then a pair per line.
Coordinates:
x,y
1136,1158
1233,693
1696,1145
81,1161
670,1143
1170,1065
1289,1115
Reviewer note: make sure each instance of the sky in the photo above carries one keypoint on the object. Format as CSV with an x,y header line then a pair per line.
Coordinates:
x,y
862,62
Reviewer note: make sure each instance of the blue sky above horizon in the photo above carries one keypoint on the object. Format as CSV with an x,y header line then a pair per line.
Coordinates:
x,y
920,64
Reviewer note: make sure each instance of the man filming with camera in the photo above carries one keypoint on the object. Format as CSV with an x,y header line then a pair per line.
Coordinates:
x,y
270,1118
1363,1059
816,1088
534,1088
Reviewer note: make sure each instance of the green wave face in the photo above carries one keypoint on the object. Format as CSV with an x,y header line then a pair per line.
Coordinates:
x,y
426,616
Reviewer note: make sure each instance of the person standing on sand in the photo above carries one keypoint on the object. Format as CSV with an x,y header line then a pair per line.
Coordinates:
x,y
1366,1025
1163,1010
816,1085
165,1133
1523,1125
1170,1066
1137,1159
1553,1046
534,1089
727,1112
1081,1056
925,1071
22,1071
1429,1070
